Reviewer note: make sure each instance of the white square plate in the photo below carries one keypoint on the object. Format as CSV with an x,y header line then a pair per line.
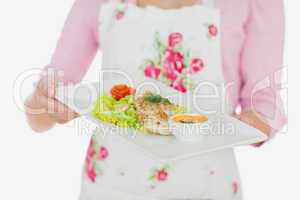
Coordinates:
x,y
228,132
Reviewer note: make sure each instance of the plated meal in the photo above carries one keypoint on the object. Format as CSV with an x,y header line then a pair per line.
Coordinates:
x,y
147,112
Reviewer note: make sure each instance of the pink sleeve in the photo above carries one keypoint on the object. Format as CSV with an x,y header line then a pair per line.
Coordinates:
x,y
262,60
78,42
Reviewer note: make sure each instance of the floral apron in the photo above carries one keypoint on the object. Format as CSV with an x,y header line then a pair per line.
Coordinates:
x,y
179,48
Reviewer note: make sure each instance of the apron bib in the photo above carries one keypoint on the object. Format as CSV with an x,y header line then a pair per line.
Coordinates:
x,y
182,49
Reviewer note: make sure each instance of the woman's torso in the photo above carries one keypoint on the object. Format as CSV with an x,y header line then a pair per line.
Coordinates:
x,y
126,35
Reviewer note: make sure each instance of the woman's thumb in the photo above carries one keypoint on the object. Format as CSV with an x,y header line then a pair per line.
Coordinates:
x,y
47,85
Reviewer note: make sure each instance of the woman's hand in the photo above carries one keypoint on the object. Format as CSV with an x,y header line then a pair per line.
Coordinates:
x,y
255,120
42,109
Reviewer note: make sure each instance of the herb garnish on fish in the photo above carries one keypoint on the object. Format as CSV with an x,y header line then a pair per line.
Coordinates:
x,y
155,98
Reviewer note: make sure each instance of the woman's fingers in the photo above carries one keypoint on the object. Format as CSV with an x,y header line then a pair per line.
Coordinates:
x,y
58,111
256,121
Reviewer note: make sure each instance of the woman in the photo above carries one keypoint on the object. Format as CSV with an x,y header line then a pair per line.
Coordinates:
x,y
250,36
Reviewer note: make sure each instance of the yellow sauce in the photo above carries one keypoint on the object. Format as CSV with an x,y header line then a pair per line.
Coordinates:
x,y
190,118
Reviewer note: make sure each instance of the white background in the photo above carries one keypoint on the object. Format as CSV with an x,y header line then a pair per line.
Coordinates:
x,y
48,166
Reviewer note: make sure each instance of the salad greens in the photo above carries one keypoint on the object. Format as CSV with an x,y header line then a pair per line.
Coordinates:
x,y
121,113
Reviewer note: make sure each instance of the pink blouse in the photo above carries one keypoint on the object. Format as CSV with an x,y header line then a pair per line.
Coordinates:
x,y
252,48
